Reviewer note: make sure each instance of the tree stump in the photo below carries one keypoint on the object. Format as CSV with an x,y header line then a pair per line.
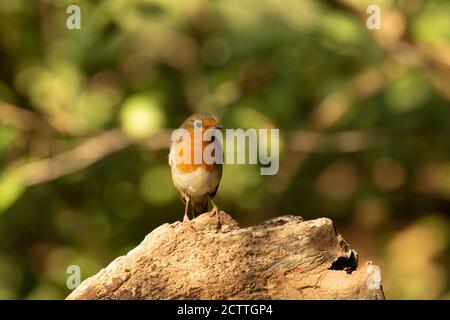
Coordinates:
x,y
281,258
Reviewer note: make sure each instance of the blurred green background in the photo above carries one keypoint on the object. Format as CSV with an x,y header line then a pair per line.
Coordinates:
x,y
364,119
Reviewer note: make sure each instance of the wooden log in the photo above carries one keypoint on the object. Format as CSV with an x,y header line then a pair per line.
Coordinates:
x,y
282,258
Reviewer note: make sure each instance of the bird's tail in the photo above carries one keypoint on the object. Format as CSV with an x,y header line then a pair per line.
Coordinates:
x,y
199,205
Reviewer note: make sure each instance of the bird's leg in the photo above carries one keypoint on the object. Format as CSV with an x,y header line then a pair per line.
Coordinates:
x,y
192,212
186,217
215,208
216,211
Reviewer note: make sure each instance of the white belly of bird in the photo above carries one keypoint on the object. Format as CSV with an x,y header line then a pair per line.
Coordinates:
x,y
196,183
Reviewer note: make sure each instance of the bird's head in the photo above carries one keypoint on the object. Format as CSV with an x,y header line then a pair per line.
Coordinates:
x,y
201,120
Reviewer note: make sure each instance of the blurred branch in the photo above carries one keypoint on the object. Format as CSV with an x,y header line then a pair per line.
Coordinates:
x,y
362,86
404,44
371,81
347,7
20,118
96,148
301,144
348,141
84,155
71,161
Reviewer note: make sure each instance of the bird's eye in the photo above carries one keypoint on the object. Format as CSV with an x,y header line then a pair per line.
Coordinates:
x,y
213,138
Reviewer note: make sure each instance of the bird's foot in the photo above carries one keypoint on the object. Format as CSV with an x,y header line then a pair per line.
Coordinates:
x,y
216,212
188,221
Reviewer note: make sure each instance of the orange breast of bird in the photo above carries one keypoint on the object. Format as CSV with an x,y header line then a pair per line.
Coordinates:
x,y
191,166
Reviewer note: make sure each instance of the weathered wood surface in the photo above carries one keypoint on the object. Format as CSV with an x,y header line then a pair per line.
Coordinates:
x,y
282,258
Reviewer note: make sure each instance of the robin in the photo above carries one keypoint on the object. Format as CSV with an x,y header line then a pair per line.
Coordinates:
x,y
196,181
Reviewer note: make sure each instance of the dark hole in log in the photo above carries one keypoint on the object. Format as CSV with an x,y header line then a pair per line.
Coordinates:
x,y
347,264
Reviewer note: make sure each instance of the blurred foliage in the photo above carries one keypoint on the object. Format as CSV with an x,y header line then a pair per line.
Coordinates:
x,y
143,66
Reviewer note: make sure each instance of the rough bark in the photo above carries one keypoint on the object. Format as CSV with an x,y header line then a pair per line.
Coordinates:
x,y
282,258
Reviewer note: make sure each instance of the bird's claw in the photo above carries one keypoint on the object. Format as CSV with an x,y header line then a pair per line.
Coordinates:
x,y
189,224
